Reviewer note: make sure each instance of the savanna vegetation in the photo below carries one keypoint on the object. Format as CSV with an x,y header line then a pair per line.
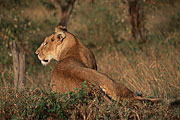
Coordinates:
x,y
148,63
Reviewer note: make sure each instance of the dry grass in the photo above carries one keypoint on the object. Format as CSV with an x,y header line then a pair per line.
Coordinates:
x,y
150,72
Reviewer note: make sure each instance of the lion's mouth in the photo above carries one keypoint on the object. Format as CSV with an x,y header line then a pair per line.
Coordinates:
x,y
45,60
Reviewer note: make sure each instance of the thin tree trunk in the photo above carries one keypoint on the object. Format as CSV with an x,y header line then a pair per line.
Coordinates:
x,y
19,66
136,20
15,64
65,14
90,1
66,7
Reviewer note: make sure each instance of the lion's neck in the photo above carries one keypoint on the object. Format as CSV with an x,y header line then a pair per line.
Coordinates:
x,y
74,48
69,49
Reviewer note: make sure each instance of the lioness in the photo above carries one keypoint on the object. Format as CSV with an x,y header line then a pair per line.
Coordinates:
x,y
76,64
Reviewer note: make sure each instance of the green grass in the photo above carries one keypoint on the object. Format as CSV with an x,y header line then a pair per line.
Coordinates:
x,y
42,104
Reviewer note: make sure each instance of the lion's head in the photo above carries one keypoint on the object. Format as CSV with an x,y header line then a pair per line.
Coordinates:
x,y
50,47
63,44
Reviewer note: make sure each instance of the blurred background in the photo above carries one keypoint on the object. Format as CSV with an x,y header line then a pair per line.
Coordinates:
x,y
136,42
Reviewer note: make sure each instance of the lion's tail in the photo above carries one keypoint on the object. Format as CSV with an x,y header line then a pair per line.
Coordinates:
x,y
175,102
155,100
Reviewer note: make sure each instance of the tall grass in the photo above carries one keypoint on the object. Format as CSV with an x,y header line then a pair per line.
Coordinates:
x,y
153,71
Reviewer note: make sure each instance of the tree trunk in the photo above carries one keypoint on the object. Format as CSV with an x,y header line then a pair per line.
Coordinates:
x,y
66,7
19,66
65,14
136,20
90,1
15,64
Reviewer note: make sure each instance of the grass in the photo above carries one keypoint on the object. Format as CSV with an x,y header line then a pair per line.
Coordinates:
x,y
41,104
153,71
152,68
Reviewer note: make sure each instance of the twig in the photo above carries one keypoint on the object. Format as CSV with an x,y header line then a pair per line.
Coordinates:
x,y
137,116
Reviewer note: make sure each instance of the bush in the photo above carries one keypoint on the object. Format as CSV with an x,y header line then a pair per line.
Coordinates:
x,y
43,104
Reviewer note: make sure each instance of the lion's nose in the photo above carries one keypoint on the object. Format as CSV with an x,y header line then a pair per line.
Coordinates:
x,y
36,52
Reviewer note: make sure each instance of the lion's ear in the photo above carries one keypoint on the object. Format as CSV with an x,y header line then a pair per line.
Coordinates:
x,y
60,28
60,35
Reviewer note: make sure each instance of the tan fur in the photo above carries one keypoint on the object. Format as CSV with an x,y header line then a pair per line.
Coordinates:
x,y
76,64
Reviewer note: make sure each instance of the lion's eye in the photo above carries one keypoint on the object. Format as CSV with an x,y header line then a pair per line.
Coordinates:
x,y
59,36
52,39
45,43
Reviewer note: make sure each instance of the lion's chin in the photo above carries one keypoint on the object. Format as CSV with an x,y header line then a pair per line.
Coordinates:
x,y
45,62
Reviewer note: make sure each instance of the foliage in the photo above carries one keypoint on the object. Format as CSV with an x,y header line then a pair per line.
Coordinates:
x,y
47,4
12,29
11,4
16,26
107,24
43,104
